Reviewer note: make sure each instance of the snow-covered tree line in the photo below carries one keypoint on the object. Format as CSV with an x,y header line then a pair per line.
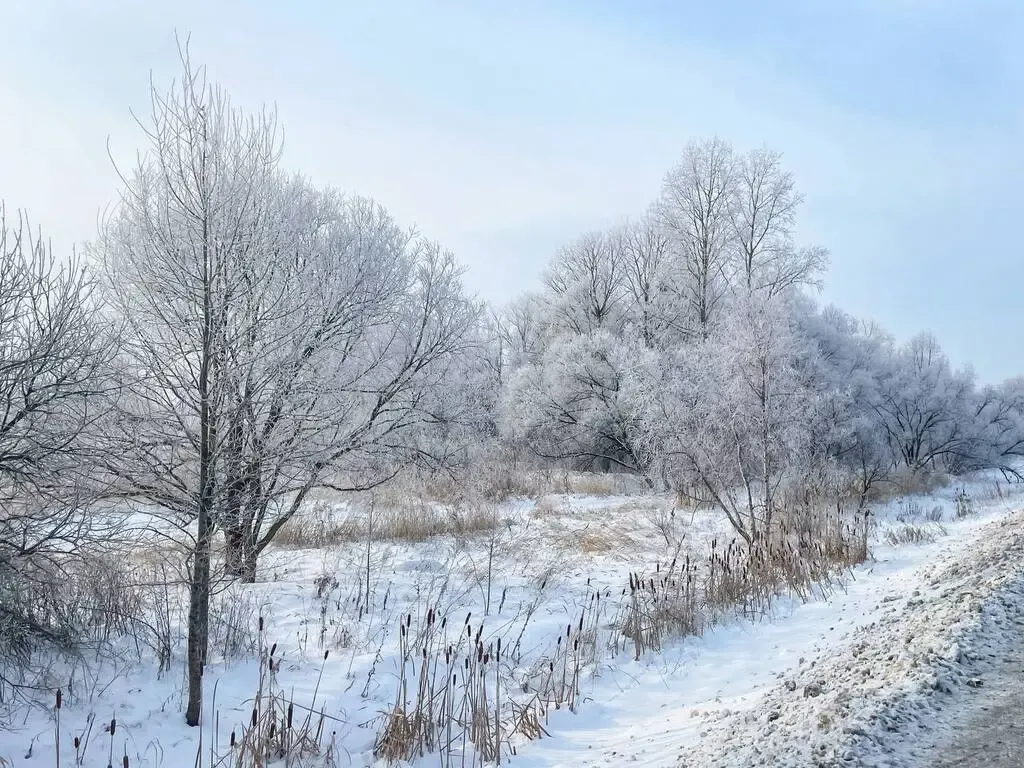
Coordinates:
x,y
687,347
236,338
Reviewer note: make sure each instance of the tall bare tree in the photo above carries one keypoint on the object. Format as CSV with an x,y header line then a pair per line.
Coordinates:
x,y
693,211
193,219
586,281
278,338
762,211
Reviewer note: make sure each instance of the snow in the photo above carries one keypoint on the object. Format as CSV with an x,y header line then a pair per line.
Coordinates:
x,y
814,681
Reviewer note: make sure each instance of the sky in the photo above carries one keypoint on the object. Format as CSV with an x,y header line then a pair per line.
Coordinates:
x,y
506,129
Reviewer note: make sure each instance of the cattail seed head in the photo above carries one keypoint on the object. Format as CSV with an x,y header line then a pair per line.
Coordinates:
x,y
260,624
59,698
232,739
113,725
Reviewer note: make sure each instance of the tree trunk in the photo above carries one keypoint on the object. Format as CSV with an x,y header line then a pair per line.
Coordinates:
x,y
199,589
198,617
234,550
247,574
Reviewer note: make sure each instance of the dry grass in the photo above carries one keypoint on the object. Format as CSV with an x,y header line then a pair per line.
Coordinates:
x,y
906,483
909,533
802,555
592,542
390,517
318,527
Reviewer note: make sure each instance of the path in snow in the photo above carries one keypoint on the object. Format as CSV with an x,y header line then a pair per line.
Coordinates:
x,y
989,733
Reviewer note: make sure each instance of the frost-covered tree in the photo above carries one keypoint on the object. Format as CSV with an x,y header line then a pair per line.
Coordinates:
x,y
653,310
730,418
55,380
578,403
923,404
693,211
277,338
585,284
762,213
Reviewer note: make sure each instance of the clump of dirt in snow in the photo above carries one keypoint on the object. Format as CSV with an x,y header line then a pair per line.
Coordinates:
x,y
858,706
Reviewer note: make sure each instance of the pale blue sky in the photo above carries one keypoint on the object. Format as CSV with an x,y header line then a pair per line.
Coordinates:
x,y
503,129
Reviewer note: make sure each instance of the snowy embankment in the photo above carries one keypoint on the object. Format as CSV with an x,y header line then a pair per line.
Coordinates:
x,y
808,683
845,681
903,642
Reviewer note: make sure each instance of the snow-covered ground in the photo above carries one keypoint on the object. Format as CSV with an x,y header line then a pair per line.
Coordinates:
x,y
817,682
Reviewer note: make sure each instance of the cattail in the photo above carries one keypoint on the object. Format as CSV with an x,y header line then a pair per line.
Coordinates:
x,y
273,728
273,649
232,739
113,725
326,654
59,698
289,719
124,762
260,624
254,717
467,617
77,742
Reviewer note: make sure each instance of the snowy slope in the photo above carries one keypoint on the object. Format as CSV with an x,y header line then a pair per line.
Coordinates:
x,y
815,683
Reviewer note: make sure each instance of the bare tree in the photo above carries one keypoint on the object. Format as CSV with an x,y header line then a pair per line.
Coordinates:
x,y
653,306
192,220
586,281
278,338
343,389
730,418
762,212
693,211
53,383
